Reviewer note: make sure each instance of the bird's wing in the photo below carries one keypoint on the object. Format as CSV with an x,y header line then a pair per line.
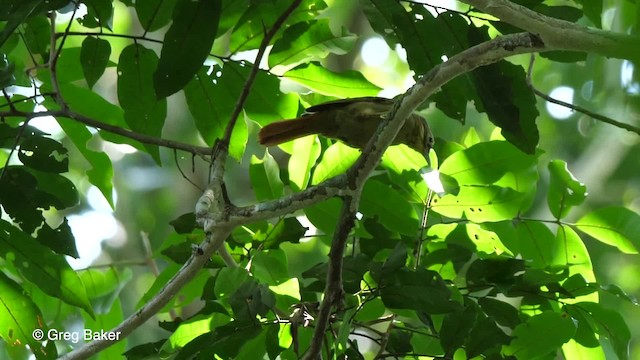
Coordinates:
x,y
336,104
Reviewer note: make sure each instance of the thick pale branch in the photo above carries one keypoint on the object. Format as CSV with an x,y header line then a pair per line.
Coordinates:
x,y
559,34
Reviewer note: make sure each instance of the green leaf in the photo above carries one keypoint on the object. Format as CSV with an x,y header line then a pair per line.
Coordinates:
x,y
37,36
324,215
249,28
19,318
306,151
26,192
101,173
509,103
94,58
346,84
44,154
224,342
413,26
485,163
185,223
306,41
154,14
456,326
50,272
428,292
142,111
485,335
60,240
593,11
480,204
270,267
527,342
286,230
614,226
335,161
265,177
104,286
607,323
391,209
99,14
564,190
213,93
503,313
15,13
191,33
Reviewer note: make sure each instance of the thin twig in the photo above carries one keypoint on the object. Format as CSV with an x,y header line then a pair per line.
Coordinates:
x,y
143,138
580,109
254,70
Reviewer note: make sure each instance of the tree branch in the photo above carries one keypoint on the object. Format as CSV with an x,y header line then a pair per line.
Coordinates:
x,y
143,138
559,34
188,271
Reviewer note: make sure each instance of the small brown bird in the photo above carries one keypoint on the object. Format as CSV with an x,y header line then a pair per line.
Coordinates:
x,y
352,121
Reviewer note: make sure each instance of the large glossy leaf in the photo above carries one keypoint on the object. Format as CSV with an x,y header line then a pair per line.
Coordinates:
x,y
94,57
344,84
480,204
186,44
309,41
606,322
142,111
50,272
335,160
428,292
615,226
306,152
20,318
527,342
99,14
265,177
485,163
389,207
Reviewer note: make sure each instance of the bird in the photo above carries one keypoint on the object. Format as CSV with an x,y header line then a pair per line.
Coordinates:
x,y
352,121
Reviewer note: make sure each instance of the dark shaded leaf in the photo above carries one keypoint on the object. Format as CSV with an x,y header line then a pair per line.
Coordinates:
x,y
527,342
142,111
94,58
185,223
60,239
44,154
422,290
506,98
154,14
192,32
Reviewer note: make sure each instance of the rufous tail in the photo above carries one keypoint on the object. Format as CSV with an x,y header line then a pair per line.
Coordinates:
x,y
287,130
